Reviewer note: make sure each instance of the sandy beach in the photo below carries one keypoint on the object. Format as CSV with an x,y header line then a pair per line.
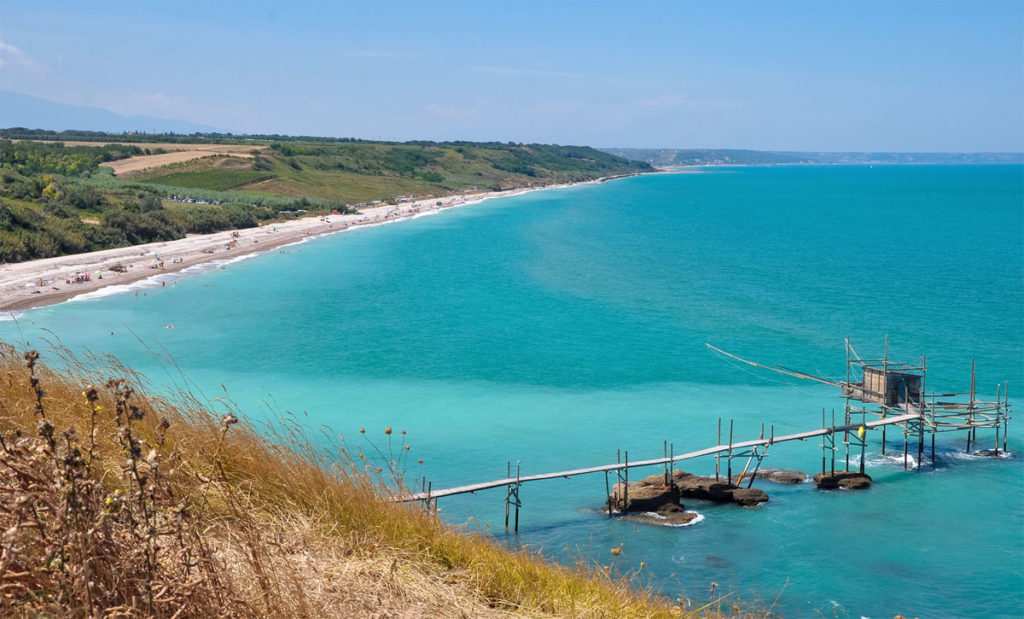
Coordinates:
x,y
48,281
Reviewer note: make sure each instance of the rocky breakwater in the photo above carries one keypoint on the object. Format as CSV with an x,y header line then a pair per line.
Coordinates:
x,y
653,500
851,480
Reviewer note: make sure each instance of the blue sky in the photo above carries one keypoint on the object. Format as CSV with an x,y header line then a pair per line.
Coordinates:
x,y
885,76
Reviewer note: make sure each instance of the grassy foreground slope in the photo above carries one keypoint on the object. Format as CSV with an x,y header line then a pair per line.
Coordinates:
x,y
115,501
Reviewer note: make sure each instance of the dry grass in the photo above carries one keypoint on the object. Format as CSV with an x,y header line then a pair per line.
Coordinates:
x,y
114,502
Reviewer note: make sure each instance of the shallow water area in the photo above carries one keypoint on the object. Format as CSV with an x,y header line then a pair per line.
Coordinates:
x,y
556,328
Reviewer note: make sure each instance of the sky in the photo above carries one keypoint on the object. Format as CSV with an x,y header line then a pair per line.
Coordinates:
x,y
820,76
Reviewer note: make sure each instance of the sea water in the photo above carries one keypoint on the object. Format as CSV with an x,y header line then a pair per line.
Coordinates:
x,y
553,329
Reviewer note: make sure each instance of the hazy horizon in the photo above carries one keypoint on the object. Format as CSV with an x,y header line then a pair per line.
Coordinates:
x,y
773,76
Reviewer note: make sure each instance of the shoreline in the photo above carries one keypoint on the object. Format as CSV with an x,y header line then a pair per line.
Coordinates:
x,y
20,287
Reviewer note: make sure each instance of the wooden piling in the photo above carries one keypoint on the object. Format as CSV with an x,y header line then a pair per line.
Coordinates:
x,y
883,433
672,463
1005,423
718,456
833,444
508,488
730,451
920,443
664,450
608,494
823,441
904,449
863,447
516,529
1006,411
625,487
846,436
618,477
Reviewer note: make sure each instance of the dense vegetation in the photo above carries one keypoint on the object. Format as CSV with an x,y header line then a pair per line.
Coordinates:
x,y
56,199
355,172
37,158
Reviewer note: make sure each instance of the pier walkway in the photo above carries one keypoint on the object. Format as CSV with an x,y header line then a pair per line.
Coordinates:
x,y
763,442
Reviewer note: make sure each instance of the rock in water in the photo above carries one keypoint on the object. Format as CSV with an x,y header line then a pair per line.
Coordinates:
x,y
749,497
708,489
851,480
782,476
651,494
647,495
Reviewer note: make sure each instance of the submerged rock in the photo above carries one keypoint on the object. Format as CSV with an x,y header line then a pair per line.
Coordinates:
x,y
851,480
782,476
715,561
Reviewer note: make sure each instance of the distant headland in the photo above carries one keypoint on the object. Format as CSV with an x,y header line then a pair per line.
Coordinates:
x,y
671,157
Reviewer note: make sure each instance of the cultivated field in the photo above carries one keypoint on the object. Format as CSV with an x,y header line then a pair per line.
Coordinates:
x,y
176,153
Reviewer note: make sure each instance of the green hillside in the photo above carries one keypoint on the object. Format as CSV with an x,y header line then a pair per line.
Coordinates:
x,y
56,199
362,171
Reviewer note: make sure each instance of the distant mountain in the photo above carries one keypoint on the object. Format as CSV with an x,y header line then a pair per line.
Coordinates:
x,y
18,110
667,157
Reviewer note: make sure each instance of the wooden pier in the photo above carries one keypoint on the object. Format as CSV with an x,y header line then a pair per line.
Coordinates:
x,y
894,393
621,466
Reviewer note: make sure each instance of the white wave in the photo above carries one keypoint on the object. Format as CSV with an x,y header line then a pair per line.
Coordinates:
x,y
160,279
657,516
892,459
963,455
426,214
11,316
301,241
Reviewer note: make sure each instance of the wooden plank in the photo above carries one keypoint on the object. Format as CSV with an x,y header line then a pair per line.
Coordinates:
x,y
801,436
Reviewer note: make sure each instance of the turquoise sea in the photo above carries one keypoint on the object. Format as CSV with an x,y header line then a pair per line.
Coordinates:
x,y
556,327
